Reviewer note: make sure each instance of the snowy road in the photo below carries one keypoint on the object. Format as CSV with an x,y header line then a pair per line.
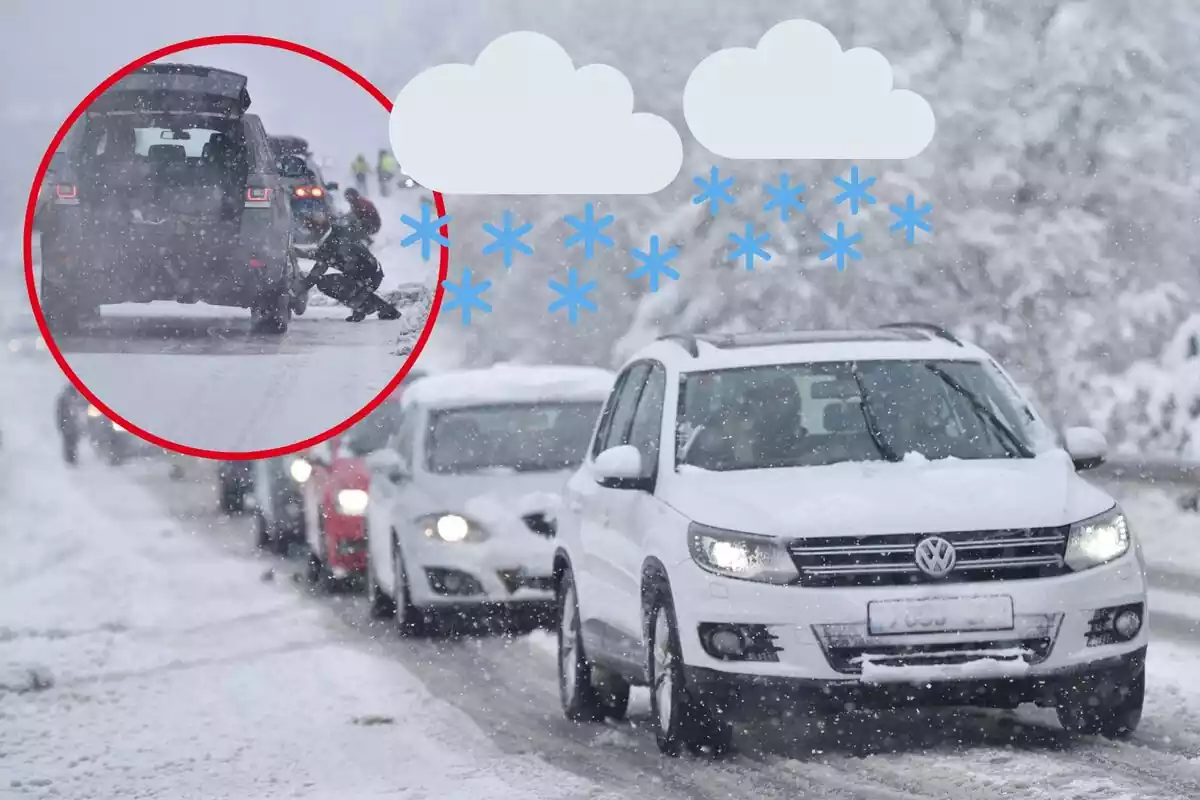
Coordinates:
x,y
143,652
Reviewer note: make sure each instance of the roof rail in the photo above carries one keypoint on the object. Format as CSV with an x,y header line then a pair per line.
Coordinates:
x,y
928,327
684,340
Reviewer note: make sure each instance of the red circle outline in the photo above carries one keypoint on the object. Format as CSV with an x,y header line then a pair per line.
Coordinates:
x,y
189,44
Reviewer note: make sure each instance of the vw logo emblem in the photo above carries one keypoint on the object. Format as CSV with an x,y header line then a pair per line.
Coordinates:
x,y
935,556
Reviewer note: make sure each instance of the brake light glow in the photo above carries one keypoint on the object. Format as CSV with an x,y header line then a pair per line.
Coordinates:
x,y
308,191
66,194
258,197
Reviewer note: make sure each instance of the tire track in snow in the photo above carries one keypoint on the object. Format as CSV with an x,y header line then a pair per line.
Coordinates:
x,y
508,687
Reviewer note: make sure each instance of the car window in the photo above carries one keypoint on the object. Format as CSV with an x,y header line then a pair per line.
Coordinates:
x,y
796,415
610,406
545,436
405,440
626,404
646,429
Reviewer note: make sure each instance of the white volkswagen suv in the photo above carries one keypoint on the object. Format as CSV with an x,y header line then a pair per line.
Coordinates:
x,y
463,502
832,520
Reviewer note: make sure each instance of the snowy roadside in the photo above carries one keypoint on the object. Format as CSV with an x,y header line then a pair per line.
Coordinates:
x,y
138,659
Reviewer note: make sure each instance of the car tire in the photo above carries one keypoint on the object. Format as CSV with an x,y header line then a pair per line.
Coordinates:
x,y
262,536
410,620
273,313
379,605
580,700
318,576
681,721
62,312
233,500
1108,705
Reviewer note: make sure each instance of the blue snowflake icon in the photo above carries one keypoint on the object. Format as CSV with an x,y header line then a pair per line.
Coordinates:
x,y
911,218
588,231
854,191
749,246
573,296
841,246
785,197
507,239
426,231
465,295
655,264
713,191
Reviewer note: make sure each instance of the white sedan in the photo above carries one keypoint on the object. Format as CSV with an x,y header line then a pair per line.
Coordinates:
x,y
463,501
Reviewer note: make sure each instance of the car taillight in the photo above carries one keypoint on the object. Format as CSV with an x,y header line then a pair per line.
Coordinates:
x,y
66,194
317,191
308,191
258,197
300,191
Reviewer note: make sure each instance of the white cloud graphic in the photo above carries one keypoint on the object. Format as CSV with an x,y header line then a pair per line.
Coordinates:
x,y
798,96
523,121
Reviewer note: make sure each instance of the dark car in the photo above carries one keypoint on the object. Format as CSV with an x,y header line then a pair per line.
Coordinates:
x,y
169,191
279,502
310,195
235,480
290,146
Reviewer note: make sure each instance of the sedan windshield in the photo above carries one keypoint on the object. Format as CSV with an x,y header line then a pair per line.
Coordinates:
x,y
825,413
521,437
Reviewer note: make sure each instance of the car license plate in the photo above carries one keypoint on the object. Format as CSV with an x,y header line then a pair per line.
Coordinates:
x,y
940,615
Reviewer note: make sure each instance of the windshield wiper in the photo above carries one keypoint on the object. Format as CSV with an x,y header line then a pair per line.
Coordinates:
x,y
1008,439
868,412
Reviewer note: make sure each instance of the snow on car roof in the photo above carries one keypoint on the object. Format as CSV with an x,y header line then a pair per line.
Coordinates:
x,y
813,346
510,383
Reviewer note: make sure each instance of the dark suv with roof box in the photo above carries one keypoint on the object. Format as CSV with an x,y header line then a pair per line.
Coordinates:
x,y
169,191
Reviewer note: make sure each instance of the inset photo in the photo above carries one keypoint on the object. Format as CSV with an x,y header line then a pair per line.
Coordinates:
x,y
227,254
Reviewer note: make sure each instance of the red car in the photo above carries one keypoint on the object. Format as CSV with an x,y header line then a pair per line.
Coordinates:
x,y
335,495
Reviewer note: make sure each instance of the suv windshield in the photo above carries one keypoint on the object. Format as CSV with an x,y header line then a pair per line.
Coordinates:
x,y
538,437
825,413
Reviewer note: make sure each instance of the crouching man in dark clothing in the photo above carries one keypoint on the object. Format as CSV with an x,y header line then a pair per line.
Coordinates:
x,y
346,249
71,408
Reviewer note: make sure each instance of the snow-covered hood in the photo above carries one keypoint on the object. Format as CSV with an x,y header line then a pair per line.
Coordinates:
x,y
497,502
914,496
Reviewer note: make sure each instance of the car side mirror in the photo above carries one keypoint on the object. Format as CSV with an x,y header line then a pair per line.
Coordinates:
x,y
1087,447
620,467
388,463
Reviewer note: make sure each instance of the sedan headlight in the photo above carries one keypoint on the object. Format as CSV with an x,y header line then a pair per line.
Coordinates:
x,y
93,412
451,528
741,555
351,502
1098,540
300,470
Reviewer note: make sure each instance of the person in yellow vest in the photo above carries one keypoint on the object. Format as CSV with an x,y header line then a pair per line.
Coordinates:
x,y
388,167
360,168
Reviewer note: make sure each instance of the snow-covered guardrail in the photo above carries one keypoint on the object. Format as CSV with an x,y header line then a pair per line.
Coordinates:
x,y
1150,471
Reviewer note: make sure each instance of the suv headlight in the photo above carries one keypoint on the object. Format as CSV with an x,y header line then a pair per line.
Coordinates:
x,y
747,556
451,528
351,502
1098,540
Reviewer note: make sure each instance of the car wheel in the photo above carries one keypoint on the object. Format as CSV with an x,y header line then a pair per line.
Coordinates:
x,y
316,572
1108,706
63,314
579,698
232,499
262,537
410,620
273,314
379,605
680,720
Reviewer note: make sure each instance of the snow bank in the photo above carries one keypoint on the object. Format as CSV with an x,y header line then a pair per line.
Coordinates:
x,y
167,668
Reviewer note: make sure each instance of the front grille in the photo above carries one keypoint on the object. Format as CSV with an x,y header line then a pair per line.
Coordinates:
x,y
515,580
849,660
889,560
